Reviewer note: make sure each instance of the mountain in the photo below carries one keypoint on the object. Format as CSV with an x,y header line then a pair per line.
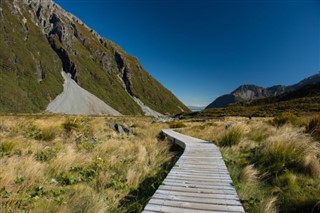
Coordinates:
x,y
248,93
302,91
305,100
50,56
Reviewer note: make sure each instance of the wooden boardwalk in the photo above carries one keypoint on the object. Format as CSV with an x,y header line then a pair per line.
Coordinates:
x,y
199,182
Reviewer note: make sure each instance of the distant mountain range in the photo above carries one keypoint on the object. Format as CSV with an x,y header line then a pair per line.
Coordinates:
x,y
196,108
50,60
249,93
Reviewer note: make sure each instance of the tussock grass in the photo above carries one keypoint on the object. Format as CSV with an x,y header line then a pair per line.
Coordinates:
x,y
288,150
285,118
176,124
77,164
269,205
249,175
231,137
313,127
274,166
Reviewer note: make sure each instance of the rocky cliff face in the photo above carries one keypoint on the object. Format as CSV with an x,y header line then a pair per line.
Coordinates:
x,y
249,93
40,39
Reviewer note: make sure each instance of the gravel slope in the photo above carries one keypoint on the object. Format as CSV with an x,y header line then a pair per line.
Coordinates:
x,y
76,100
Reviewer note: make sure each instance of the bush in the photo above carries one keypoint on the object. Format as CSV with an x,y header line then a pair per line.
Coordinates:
x,y
33,132
231,137
36,133
313,127
48,134
46,155
176,124
70,125
285,118
258,134
6,148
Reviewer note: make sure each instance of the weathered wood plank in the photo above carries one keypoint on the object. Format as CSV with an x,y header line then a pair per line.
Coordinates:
x,y
192,194
197,200
199,186
192,205
170,209
197,190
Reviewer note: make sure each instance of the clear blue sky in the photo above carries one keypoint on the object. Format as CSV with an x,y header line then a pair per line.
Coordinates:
x,y
201,49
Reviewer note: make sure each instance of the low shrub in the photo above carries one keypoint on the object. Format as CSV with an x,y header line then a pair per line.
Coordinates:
x,y
231,137
6,148
71,124
46,155
77,174
48,134
36,133
285,118
313,127
176,124
258,134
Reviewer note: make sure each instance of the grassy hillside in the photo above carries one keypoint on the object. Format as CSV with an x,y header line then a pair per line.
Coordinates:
x,y
150,91
30,68
24,63
79,164
274,163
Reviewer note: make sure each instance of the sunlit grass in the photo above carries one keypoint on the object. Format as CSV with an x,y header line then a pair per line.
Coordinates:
x,y
76,163
273,163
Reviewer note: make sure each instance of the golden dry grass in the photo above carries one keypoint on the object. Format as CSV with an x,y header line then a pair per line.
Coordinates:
x,y
274,168
67,172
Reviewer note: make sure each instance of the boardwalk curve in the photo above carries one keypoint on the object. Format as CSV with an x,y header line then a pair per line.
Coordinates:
x,y
199,183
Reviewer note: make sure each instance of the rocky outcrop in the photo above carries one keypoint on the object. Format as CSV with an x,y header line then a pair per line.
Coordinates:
x,y
248,93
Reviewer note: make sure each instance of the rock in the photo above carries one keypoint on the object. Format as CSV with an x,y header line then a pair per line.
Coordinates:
x,y
92,141
127,130
122,129
229,126
164,120
80,139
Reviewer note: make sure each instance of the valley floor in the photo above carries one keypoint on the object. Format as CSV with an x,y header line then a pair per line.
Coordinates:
x,y
52,163
274,162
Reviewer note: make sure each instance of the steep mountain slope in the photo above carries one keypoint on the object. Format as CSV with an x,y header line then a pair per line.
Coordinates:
x,y
248,93
40,40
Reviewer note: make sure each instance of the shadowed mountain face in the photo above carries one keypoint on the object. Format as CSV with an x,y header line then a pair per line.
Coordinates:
x,y
39,39
248,93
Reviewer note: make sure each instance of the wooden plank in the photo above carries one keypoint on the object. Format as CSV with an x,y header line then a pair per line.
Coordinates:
x,y
200,177
198,200
170,209
197,190
195,182
192,194
197,206
199,185
202,180
177,169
